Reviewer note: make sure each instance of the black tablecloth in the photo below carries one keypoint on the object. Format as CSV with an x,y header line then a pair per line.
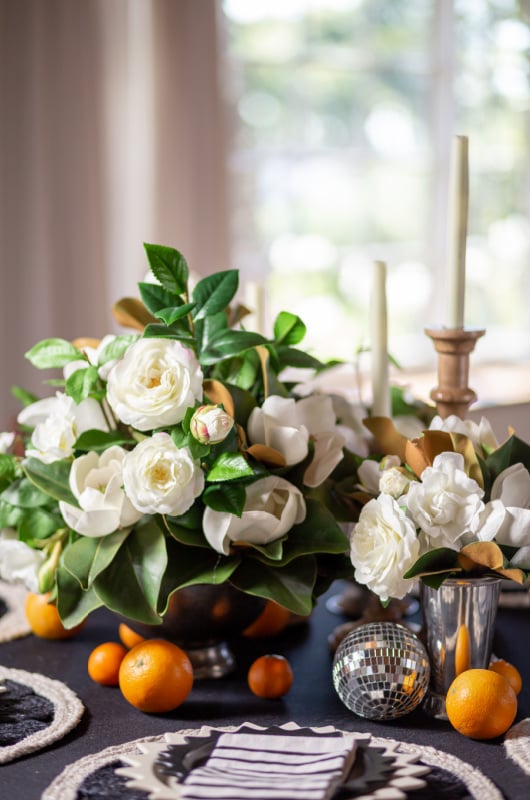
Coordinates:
x,y
109,719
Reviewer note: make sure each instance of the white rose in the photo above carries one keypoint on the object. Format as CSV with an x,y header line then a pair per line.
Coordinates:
x,y
161,478
58,423
210,424
154,384
287,425
272,507
97,483
481,434
384,545
6,440
18,562
446,501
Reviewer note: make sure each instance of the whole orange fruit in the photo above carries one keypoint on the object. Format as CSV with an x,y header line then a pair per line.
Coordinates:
x,y
44,619
481,704
129,637
270,676
508,671
156,676
104,663
272,620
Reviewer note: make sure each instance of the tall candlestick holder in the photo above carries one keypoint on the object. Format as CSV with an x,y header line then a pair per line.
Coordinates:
x,y
454,346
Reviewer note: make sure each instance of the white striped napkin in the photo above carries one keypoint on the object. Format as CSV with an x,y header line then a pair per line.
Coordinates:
x,y
243,766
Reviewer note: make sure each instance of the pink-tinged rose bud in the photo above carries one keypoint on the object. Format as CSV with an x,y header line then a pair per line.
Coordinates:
x,y
210,424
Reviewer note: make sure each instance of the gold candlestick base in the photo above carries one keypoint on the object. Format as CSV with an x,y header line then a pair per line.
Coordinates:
x,y
453,345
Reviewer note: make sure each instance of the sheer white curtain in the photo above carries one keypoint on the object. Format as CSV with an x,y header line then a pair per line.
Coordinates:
x,y
111,134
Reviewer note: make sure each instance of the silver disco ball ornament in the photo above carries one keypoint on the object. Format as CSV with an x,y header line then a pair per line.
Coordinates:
x,y
381,671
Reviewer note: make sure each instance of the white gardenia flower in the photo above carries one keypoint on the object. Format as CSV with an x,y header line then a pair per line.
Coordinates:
x,y
511,489
394,481
210,424
161,478
19,563
384,545
58,423
287,425
445,502
272,507
97,483
6,440
154,384
481,434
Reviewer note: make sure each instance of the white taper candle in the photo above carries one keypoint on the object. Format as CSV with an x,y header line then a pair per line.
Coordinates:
x,y
457,232
379,343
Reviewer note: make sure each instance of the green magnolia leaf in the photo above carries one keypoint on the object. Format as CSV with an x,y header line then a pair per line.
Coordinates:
x,y
169,267
155,297
116,348
107,547
82,384
229,498
229,467
290,586
53,353
73,604
52,479
131,583
318,533
188,566
101,440
443,559
288,329
38,524
230,343
214,293
194,537
513,451
23,396
24,494
10,516
78,558
171,314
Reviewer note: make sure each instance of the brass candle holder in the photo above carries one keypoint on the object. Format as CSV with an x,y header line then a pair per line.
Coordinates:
x,y
453,345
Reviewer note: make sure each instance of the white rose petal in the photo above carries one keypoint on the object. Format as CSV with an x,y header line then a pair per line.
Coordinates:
x,y
96,482
515,529
161,478
6,440
58,423
481,434
154,384
18,562
384,545
446,500
272,507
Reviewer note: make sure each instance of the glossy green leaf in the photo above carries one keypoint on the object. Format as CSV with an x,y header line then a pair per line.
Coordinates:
x,y
288,329
100,440
292,357
439,560
53,353
155,297
79,557
73,604
214,293
230,343
229,498
318,533
171,314
82,383
116,348
24,494
8,467
169,267
229,467
38,523
155,331
10,516
52,479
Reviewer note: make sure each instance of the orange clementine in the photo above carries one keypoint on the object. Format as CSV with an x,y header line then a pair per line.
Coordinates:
x,y
462,650
481,704
104,663
508,671
270,676
44,619
129,637
272,620
156,676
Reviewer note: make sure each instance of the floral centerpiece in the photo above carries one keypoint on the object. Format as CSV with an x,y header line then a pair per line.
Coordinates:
x,y
174,456
451,503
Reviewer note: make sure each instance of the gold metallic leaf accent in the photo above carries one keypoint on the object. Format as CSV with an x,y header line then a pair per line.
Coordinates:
x,y
389,439
512,574
263,354
267,455
481,554
218,394
415,456
436,442
463,444
131,313
85,341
